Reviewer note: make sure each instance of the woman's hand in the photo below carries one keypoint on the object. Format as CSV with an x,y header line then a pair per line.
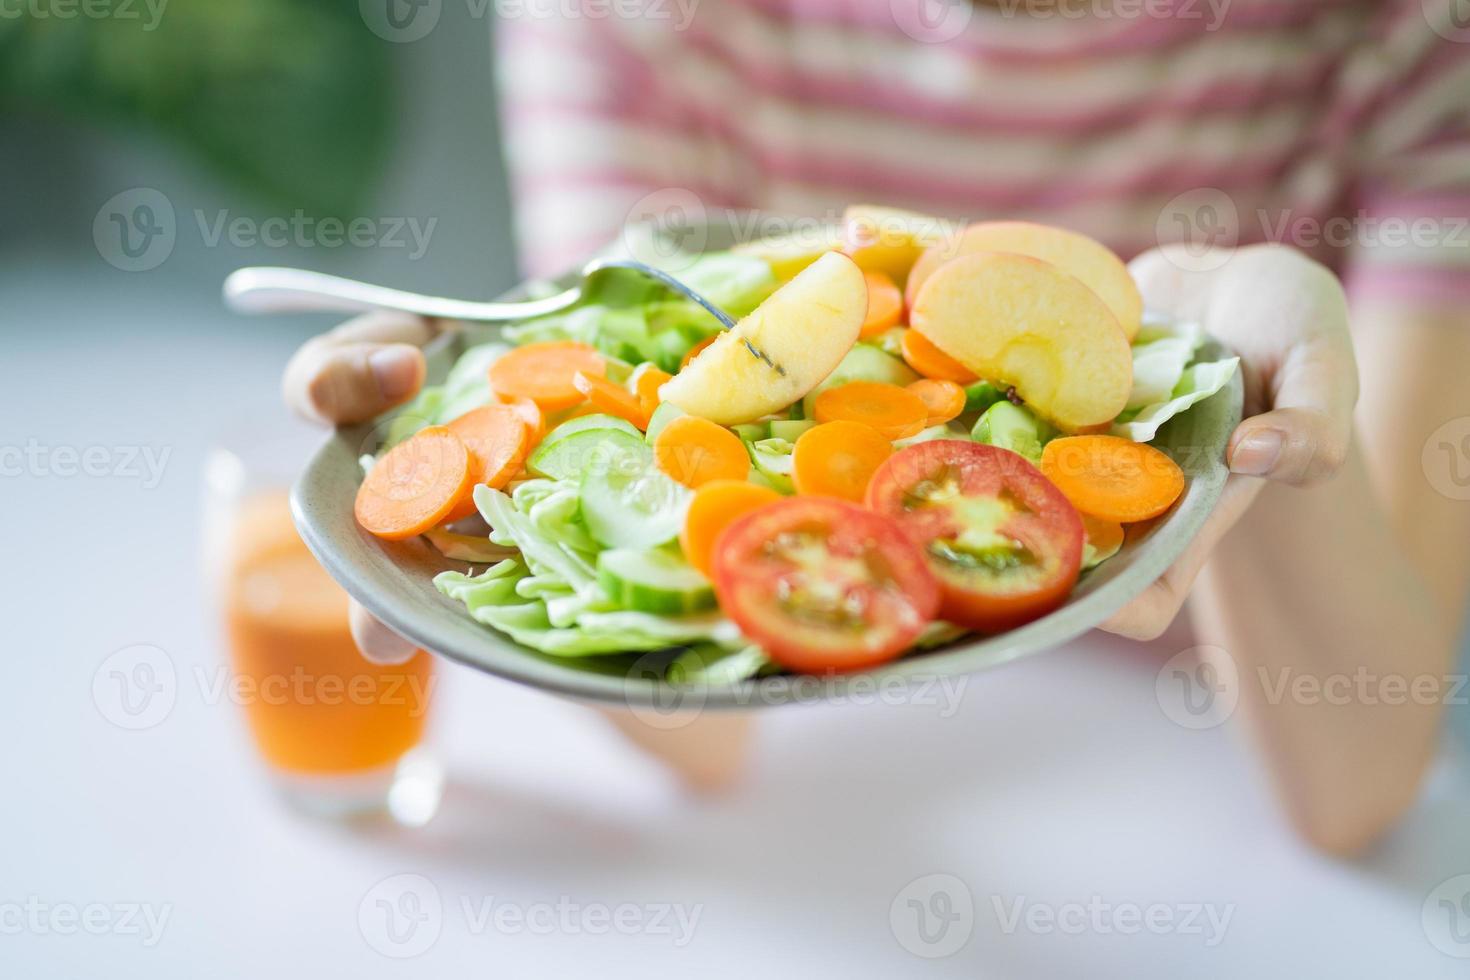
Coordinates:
x,y
373,363
1286,317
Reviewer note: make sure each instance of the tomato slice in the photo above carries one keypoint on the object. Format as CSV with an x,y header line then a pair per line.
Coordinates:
x,y
823,585
1003,541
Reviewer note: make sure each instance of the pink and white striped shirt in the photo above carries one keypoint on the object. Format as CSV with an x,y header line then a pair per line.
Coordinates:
x,y
1340,126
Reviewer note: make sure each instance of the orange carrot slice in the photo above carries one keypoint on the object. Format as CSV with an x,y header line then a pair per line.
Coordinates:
x,y
531,414
944,399
498,440
716,506
1106,537
932,362
885,304
694,351
612,399
837,459
543,372
645,381
415,485
695,451
893,411
1112,478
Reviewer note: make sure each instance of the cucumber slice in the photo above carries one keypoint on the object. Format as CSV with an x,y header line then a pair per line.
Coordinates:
x,y
772,460
1013,427
662,416
584,422
749,431
863,363
628,502
790,430
587,449
655,581
945,431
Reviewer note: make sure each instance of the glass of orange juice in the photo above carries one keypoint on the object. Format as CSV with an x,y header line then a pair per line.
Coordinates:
x,y
339,735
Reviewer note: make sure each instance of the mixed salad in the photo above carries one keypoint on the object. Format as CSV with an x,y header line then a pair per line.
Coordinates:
x,y
913,431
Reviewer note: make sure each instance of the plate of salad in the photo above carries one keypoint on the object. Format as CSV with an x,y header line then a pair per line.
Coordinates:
x,y
923,449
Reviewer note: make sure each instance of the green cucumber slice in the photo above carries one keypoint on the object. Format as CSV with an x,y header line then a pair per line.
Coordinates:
x,y
662,416
981,395
773,461
790,430
749,431
653,581
627,502
570,456
1013,427
584,422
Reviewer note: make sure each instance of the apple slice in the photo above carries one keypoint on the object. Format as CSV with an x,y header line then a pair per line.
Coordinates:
x,y
789,254
1015,320
890,240
782,350
1092,262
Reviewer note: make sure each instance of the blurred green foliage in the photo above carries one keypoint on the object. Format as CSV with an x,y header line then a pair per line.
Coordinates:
x,y
285,98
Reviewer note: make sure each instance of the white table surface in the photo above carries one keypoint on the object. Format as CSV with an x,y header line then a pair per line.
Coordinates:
x,y
1058,781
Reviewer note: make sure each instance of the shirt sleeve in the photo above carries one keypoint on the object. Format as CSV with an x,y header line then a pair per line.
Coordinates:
x,y
1408,109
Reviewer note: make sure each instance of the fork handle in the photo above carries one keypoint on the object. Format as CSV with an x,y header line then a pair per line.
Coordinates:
x,y
273,289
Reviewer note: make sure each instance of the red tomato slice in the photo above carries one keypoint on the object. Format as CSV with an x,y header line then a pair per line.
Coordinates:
x,y
1003,541
823,585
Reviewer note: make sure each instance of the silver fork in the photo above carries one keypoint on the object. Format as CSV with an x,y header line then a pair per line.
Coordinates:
x,y
274,289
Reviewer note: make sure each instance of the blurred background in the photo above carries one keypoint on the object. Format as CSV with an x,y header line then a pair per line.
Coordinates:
x,y
146,837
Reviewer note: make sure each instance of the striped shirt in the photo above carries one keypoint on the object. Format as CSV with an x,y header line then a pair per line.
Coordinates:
x,y
1339,126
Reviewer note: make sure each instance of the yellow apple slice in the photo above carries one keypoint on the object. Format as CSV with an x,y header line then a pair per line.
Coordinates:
x,y
890,240
1015,320
789,254
782,350
1091,261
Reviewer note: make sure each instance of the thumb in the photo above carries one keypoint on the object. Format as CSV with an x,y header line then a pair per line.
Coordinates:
x,y
1298,446
359,370
377,643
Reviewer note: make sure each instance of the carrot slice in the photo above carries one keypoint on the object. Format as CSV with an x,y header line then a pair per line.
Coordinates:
x,y
694,351
837,459
893,411
612,399
415,485
645,381
530,414
932,362
1106,537
543,372
716,506
498,440
1112,478
695,451
944,399
885,304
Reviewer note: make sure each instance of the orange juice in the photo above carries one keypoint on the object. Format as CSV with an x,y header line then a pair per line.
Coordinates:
x,y
313,703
